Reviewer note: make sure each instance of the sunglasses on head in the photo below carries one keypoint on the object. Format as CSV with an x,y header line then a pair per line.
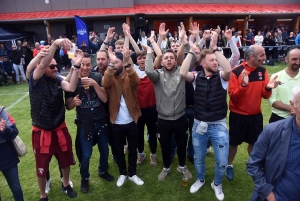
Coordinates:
x,y
53,66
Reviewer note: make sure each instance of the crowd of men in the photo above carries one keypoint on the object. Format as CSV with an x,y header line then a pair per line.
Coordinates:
x,y
180,94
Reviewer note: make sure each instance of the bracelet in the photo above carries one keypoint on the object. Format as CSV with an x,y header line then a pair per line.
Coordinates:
x,y
78,67
191,53
105,43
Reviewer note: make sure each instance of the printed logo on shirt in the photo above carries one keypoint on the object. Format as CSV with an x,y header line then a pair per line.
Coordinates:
x,y
260,75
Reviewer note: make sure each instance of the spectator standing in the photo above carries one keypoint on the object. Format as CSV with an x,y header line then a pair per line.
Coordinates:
x,y
258,39
290,40
16,57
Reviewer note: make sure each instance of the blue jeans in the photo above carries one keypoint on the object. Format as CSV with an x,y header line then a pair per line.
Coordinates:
x,y
12,178
87,149
190,113
218,135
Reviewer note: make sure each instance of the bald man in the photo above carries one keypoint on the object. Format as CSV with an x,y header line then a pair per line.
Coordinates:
x,y
249,83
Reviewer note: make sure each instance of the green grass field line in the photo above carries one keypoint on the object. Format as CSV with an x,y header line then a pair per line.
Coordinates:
x,y
170,189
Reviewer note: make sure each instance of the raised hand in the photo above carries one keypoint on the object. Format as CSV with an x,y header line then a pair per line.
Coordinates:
x,y
182,32
76,100
273,83
64,42
195,29
218,30
111,54
213,40
206,34
110,33
78,58
43,52
152,36
125,27
228,33
126,54
192,44
162,29
245,78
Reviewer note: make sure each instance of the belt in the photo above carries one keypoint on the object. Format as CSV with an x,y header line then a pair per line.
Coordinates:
x,y
189,107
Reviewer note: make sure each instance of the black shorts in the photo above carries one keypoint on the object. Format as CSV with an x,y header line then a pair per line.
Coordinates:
x,y
244,128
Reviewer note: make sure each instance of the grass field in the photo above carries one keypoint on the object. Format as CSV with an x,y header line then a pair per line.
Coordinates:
x,y
170,189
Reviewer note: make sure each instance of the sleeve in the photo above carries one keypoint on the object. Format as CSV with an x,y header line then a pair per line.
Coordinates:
x,y
297,40
235,54
266,93
151,73
255,165
11,130
235,89
108,77
133,77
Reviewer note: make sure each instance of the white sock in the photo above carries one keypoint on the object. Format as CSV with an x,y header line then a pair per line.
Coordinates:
x,y
230,166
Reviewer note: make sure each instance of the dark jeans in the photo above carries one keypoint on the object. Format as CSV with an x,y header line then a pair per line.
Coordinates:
x,y
87,149
13,75
119,133
149,117
166,128
12,178
274,117
190,113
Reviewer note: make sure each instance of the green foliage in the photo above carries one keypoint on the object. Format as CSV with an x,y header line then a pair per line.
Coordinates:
x,y
170,189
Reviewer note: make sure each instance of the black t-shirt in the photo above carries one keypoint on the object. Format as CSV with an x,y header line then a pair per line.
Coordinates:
x,y
91,106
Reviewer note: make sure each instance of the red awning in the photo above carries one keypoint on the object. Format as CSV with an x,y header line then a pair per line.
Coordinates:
x,y
158,9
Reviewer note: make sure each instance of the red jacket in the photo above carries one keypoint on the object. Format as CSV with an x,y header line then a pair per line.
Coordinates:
x,y
247,100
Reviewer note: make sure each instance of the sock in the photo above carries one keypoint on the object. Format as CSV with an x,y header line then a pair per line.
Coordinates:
x,y
230,166
181,167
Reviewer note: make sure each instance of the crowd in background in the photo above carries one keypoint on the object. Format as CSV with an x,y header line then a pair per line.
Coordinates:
x,y
14,60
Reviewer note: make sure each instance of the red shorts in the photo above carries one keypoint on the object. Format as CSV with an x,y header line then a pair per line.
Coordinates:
x,y
65,158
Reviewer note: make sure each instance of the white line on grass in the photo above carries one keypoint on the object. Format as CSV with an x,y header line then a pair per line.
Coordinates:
x,y
17,101
14,93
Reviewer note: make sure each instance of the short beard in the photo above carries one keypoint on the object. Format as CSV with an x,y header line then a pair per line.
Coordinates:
x,y
119,70
295,67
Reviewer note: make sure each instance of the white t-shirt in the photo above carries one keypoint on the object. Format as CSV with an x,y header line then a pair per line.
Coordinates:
x,y
141,73
123,116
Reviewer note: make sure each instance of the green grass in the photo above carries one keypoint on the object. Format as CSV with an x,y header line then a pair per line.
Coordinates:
x,y
170,189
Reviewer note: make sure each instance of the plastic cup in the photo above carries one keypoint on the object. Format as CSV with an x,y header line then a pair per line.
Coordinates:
x,y
85,86
184,181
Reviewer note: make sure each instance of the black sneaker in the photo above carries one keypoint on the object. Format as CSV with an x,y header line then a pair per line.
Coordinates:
x,y
69,191
84,187
44,199
106,176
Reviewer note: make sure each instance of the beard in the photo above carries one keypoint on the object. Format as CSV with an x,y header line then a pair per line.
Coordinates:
x,y
211,70
295,67
119,70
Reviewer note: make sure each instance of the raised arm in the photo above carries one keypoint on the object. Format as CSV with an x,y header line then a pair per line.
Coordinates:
x,y
184,45
162,32
157,51
133,77
40,70
195,31
151,73
126,30
206,35
235,56
71,86
223,62
184,69
108,38
36,60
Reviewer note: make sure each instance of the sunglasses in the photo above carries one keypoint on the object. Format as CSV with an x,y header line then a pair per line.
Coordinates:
x,y
53,66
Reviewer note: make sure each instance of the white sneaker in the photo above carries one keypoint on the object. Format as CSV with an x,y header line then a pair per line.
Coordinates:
x,y
121,180
70,182
218,191
125,148
196,186
47,188
136,180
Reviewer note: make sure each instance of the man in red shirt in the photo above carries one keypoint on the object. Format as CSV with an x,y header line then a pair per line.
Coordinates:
x,y
248,84
36,49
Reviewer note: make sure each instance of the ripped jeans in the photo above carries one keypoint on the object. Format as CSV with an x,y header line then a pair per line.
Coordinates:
x,y
218,135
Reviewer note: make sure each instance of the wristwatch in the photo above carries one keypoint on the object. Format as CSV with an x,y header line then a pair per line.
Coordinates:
x,y
128,66
78,67
217,49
